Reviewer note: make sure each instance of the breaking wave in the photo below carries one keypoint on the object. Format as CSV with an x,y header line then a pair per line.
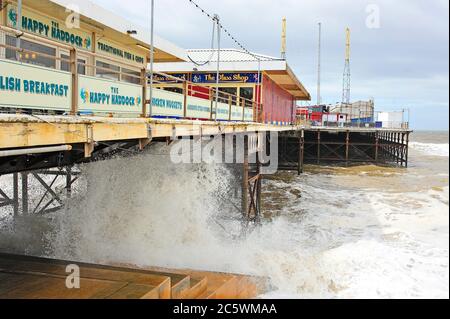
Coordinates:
x,y
431,149
324,235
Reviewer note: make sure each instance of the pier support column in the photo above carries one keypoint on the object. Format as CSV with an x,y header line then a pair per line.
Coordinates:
x,y
15,199
25,210
252,180
259,187
403,149
301,153
407,150
318,147
51,201
245,175
347,147
377,143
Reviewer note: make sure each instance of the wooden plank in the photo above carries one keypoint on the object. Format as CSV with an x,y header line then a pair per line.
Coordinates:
x,y
15,135
134,291
29,132
53,268
24,286
198,287
181,288
116,132
229,290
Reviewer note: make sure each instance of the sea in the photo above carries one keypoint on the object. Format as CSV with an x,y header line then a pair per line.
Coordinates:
x,y
333,232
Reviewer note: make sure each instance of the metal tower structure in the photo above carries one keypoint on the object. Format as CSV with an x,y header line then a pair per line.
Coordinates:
x,y
347,73
283,39
319,67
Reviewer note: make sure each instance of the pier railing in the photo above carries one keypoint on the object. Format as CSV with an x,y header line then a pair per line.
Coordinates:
x,y
35,82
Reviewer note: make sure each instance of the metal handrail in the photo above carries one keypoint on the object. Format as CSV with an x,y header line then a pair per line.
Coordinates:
x,y
56,58
188,87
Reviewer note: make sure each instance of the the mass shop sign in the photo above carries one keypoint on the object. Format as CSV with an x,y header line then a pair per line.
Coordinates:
x,y
225,78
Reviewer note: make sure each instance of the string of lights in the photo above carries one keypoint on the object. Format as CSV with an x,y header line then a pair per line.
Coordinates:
x,y
212,50
227,32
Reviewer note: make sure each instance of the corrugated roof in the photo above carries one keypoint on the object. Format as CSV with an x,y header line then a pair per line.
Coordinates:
x,y
227,55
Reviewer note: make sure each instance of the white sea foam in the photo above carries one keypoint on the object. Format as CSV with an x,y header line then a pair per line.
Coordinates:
x,y
333,242
431,149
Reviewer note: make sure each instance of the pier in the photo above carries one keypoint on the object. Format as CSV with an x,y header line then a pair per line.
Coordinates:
x,y
32,145
343,146
66,104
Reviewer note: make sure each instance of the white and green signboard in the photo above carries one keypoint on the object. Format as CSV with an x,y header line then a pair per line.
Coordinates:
x,y
167,104
105,96
117,51
34,87
48,28
198,108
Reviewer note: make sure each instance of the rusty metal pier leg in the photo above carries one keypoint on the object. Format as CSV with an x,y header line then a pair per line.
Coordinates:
x,y
407,150
245,176
301,153
318,147
252,180
15,199
259,188
53,198
347,148
377,146
25,208
398,148
69,182
403,150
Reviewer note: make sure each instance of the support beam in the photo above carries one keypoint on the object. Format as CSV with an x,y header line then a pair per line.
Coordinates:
x,y
15,198
89,146
407,150
301,152
245,177
377,147
347,147
259,185
25,200
318,147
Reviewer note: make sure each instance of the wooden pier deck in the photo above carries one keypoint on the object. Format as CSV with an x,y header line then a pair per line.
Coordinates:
x,y
81,137
36,278
18,131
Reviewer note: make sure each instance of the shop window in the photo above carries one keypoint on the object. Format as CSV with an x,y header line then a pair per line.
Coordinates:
x,y
247,94
131,76
34,53
226,93
65,65
174,90
107,71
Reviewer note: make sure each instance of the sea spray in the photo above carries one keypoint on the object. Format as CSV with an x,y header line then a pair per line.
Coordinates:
x,y
351,232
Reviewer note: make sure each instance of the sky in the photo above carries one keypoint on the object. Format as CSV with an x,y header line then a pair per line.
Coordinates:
x,y
399,57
